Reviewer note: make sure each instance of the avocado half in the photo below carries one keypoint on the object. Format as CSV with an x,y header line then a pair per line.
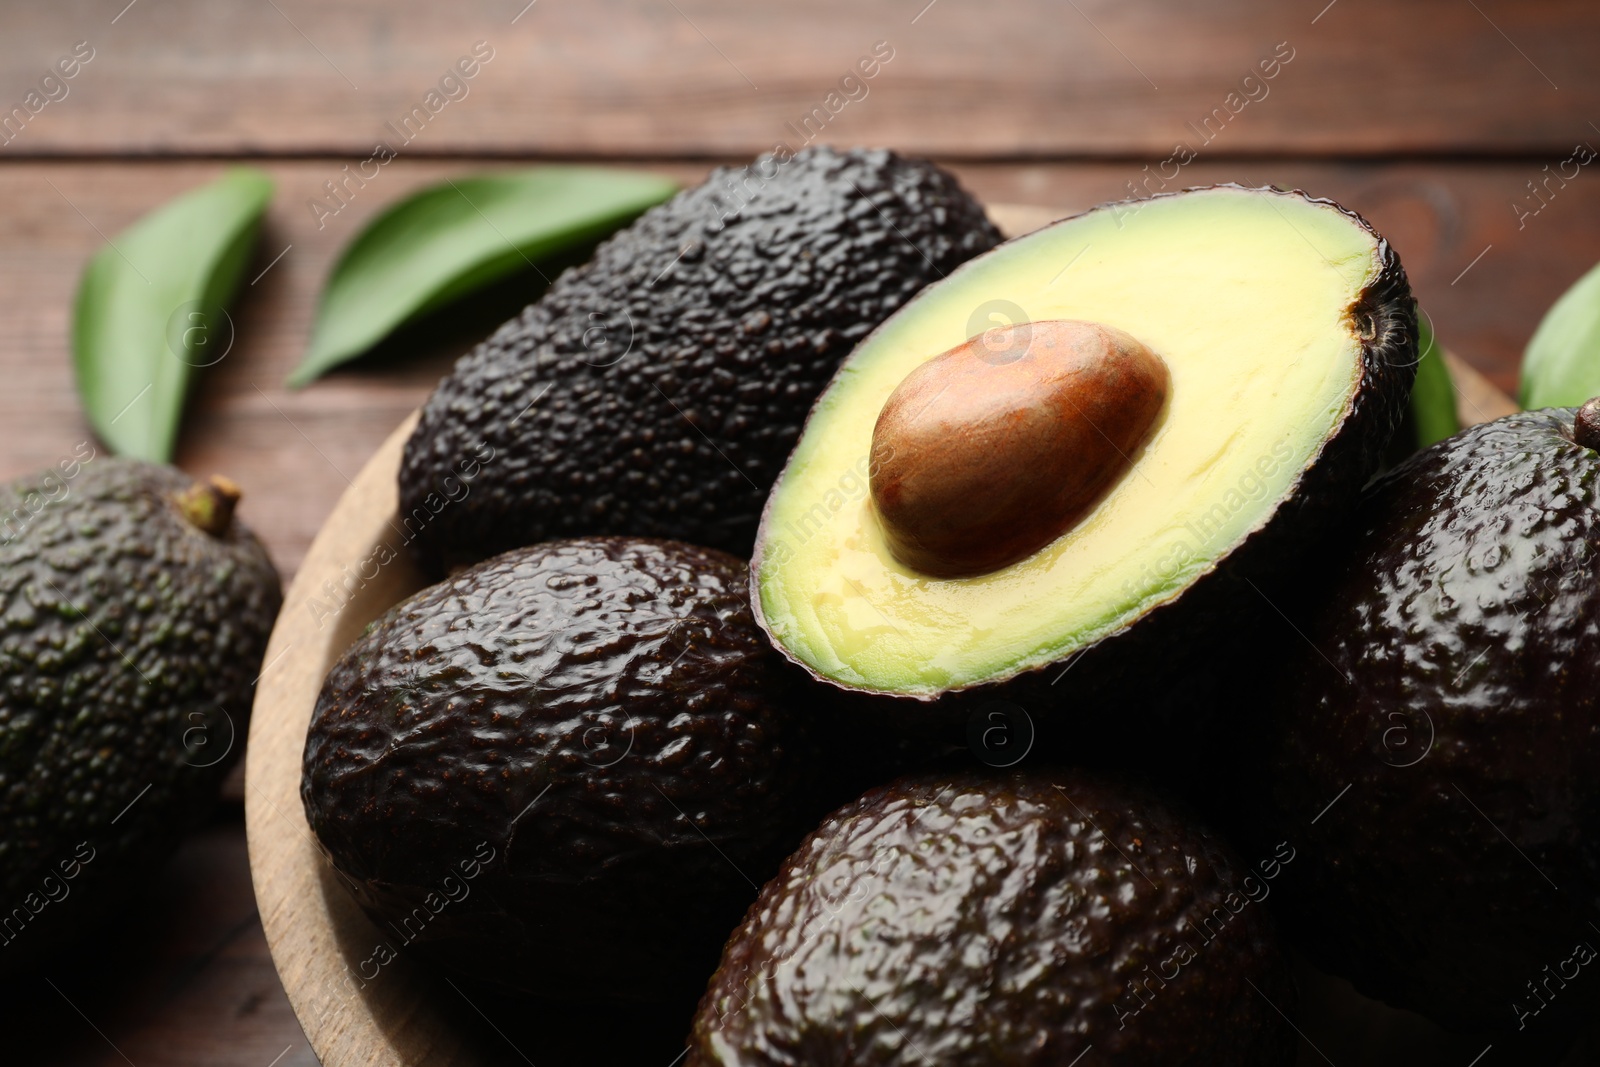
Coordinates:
x,y
1288,331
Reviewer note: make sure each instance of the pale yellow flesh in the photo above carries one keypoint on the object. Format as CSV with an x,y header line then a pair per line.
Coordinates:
x,y
1246,296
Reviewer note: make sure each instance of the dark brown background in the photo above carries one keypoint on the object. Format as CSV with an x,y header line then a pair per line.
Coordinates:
x,y
1431,117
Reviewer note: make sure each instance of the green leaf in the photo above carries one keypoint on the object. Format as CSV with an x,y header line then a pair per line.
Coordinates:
x,y
1433,397
1561,367
152,307
452,239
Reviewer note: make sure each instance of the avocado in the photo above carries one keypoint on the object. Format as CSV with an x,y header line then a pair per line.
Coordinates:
x,y
1115,428
134,612
566,770
1435,744
1005,918
656,390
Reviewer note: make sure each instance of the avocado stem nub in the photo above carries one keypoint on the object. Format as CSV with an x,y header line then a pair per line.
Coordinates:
x,y
1586,425
988,452
209,505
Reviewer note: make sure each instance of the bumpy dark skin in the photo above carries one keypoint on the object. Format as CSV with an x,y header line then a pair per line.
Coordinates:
x,y
599,717
1001,919
129,645
1459,702
734,302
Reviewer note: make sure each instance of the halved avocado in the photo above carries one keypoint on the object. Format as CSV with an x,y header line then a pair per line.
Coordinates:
x,y
1289,340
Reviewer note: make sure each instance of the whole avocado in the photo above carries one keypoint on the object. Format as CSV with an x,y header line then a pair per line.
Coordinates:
x,y
658,389
1437,745
1004,920
134,613
563,770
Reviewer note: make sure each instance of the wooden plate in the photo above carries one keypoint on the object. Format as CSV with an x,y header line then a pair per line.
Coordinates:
x,y
357,1005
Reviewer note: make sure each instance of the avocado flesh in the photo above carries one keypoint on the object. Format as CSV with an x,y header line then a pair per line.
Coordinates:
x,y
1248,295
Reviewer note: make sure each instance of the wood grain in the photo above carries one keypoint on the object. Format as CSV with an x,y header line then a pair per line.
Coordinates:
x,y
318,936
1030,78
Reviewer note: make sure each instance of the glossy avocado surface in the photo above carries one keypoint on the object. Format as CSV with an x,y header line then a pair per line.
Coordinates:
x,y
658,389
565,770
1443,717
130,643
1016,918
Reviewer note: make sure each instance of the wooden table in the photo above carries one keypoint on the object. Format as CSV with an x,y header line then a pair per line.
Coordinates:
x,y
1443,121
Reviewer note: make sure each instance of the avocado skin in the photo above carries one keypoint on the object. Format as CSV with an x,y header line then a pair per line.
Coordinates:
x,y
737,317
129,647
490,716
1462,612
999,919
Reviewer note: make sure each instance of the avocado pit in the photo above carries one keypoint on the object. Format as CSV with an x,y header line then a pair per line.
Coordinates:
x,y
989,451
